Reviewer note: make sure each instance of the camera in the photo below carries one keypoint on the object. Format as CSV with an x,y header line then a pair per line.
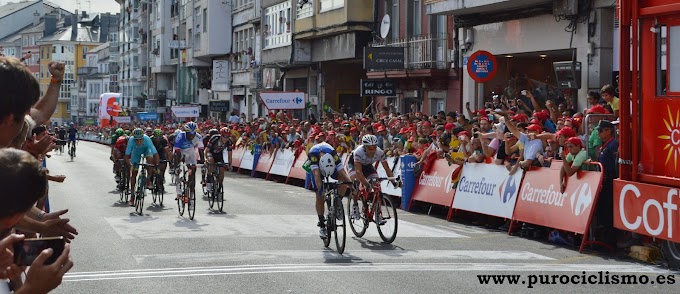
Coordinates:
x,y
26,251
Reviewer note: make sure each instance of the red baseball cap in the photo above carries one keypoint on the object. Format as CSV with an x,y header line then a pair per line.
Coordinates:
x,y
353,129
331,133
381,128
597,109
337,121
427,124
533,121
534,128
519,117
567,132
449,126
376,126
576,141
412,139
403,131
463,133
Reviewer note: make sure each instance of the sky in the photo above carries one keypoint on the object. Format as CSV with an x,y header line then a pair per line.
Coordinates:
x,y
89,6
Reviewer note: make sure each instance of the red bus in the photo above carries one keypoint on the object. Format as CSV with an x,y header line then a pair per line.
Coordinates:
x,y
647,194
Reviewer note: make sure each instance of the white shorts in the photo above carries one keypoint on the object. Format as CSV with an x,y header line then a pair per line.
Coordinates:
x,y
190,155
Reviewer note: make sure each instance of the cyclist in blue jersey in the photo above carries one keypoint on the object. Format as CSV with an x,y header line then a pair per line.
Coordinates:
x,y
72,132
187,144
139,146
323,154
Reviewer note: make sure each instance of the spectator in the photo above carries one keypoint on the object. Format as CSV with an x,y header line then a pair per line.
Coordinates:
x,y
575,160
608,94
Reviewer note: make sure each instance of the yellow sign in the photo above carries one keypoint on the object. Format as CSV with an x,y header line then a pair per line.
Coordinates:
x,y
673,137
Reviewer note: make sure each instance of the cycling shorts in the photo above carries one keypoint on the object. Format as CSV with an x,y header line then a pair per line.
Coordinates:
x,y
367,169
218,157
190,155
71,138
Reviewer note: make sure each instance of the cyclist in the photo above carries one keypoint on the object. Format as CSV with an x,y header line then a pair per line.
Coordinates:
x,y
187,144
139,146
115,155
72,132
61,135
171,145
161,143
119,151
214,152
324,154
206,139
148,132
361,163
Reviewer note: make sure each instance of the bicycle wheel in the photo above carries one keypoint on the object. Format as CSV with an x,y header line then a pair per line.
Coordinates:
x,y
180,199
212,195
192,204
154,188
340,226
219,190
360,225
139,197
161,189
121,186
388,212
330,222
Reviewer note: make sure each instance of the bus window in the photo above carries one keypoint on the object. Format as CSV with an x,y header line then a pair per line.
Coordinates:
x,y
673,50
662,60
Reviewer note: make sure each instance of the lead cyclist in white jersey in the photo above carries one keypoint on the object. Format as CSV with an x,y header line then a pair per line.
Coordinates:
x,y
187,144
361,166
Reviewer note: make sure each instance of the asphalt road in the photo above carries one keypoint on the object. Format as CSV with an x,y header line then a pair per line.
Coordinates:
x,y
266,242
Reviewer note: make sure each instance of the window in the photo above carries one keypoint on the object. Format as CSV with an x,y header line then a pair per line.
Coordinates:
x,y
32,42
304,9
417,18
277,26
325,5
25,41
238,4
394,19
673,43
244,41
197,19
205,20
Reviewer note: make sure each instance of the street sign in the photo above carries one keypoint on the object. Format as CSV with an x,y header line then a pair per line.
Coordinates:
x,y
384,58
283,100
144,116
378,88
186,111
482,66
219,106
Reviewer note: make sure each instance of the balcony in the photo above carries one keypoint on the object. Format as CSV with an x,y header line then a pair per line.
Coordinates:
x,y
478,12
422,52
256,79
85,71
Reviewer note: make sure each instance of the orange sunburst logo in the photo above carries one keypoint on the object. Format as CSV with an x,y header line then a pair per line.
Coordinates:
x,y
673,146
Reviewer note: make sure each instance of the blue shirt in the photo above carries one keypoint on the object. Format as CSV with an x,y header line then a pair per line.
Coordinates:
x,y
138,151
315,154
607,156
531,147
182,142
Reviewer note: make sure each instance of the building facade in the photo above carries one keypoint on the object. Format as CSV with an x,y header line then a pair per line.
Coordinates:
x,y
132,61
245,56
528,40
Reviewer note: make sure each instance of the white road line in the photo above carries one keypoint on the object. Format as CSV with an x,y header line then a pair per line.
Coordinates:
x,y
354,255
173,227
371,267
463,229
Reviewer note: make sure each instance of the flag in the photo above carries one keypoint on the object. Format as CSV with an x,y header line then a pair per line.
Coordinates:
x,y
308,104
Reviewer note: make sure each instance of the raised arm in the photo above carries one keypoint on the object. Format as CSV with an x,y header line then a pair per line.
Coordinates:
x,y
42,111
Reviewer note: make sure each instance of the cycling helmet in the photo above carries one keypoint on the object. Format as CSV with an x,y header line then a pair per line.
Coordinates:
x,y
127,132
225,131
148,130
158,132
327,165
177,131
120,132
191,127
213,132
369,140
138,133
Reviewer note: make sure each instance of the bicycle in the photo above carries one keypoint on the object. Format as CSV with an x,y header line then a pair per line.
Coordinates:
x,y
158,181
124,184
141,187
377,208
174,169
335,215
187,197
72,150
216,195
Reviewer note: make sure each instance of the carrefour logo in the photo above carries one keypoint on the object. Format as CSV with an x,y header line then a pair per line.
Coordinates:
x,y
508,189
298,100
581,199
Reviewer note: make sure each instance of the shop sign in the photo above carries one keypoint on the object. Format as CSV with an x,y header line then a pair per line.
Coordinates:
x,y
283,100
384,58
219,106
145,116
482,66
378,88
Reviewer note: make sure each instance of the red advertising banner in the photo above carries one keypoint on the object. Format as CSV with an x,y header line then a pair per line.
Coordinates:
x,y
265,162
236,156
434,186
540,201
647,209
297,172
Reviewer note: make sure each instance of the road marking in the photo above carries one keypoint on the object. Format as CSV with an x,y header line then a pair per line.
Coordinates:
x,y
363,267
354,255
464,229
173,227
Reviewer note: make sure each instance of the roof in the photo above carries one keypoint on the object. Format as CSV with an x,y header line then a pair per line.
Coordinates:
x,y
99,48
10,8
17,35
85,34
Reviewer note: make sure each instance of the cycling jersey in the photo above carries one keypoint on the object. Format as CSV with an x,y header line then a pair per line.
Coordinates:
x,y
315,154
160,143
114,138
136,151
72,134
359,155
216,146
188,148
61,134
171,140
121,143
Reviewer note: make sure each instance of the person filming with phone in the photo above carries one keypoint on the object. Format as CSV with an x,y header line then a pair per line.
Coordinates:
x,y
48,259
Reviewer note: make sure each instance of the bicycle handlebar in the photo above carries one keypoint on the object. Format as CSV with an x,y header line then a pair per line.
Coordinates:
x,y
144,164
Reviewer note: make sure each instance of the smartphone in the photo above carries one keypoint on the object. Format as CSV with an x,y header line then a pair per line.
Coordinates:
x,y
524,92
26,251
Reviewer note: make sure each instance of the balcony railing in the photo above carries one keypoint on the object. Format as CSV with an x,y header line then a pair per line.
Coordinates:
x,y
256,78
422,52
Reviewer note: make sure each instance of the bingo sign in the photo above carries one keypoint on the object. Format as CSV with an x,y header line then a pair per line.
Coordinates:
x,y
482,66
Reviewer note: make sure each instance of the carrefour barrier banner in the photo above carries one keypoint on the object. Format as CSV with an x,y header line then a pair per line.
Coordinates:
x,y
647,209
387,187
247,160
541,202
265,161
297,172
283,162
487,189
434,186
236,156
